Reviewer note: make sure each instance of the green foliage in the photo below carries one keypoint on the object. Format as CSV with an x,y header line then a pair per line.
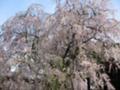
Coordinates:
x,y
95,56
1,79
54,83
57,62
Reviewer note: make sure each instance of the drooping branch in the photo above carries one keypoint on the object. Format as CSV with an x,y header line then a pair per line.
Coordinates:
x,y
70,44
